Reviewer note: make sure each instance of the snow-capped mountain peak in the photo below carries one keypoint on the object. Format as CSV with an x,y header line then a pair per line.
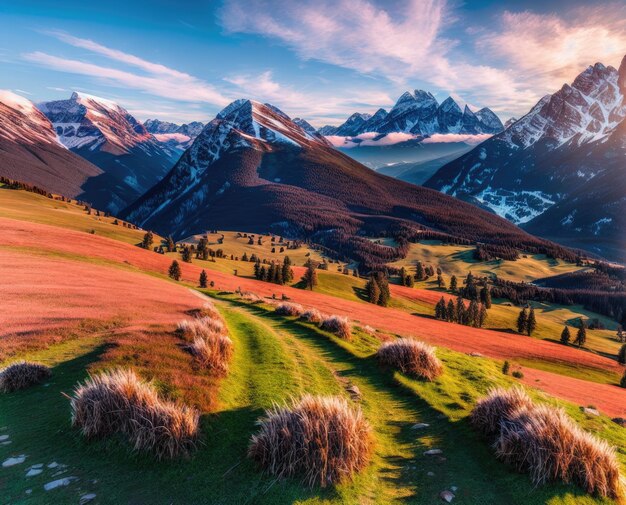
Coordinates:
x,y
24,122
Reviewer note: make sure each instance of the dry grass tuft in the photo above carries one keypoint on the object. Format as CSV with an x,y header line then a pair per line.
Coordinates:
x,y
339,325
546,443
119,402
499,405
209,310
204,327
312,316
322,439
213,353
411,357
251,297
289,309
21,375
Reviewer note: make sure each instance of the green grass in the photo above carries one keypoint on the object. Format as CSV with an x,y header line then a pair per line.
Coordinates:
x,y
275,359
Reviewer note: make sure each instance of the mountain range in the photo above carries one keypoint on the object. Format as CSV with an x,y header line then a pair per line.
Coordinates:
x,y
254,168
559,171
174,136
105,134
421,114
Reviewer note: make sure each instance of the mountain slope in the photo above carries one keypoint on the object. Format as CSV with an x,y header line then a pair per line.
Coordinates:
x,y
105,134
30,151
174,136
253,168
567,154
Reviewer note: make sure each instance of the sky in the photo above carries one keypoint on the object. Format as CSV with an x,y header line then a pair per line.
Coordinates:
x,y
320,60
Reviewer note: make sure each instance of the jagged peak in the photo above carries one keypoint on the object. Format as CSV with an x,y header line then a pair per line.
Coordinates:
x,y
449,104
424,96
79,96
16,101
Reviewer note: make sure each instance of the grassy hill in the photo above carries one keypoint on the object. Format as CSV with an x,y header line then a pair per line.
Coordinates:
x,y
83,303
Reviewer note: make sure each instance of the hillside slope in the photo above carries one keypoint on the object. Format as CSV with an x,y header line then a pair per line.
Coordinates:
x,y
31,153
252,168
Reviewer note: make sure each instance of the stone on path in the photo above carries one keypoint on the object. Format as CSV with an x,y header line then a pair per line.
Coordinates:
x,y
66,481
86,498
14,461
420,426
34,471
447,496
4,437
433,452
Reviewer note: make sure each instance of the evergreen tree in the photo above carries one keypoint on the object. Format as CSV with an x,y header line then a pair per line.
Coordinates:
x,y
522,320
186,254
372,290
451,312
409,281
565,336
581,336
440,282
621,355
473,313
287,272
531,323
147,241
170,244
174,271
440,309
244,257
470,290
482,315
420,274
485,297
257,269
621,334
460,311
203,279
310,277
453,284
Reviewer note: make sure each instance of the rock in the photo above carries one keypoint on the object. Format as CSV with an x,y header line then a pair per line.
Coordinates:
x,y
86,498
4,437
6,442
33,471
38,465
431,474
420,426
447,496
66,481
591,411
475,354
453,489
54,464
28,491
18,460
433,452
620,420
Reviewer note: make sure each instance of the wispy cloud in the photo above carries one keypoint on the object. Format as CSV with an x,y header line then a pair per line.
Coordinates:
x,y
156,79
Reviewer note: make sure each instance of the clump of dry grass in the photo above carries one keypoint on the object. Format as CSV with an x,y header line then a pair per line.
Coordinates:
x,y
411,357
339,325
21,375
322,439
289,309
204,327
209,310
119,402
251,297
499,405
213,353
312,316
546,443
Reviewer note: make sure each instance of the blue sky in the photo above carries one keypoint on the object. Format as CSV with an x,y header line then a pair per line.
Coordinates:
x,y
320,60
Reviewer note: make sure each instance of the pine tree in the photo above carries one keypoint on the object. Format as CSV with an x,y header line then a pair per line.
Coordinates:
x,y
460,311
451,312
522,321
473,313
621,355
485,297
174,271
621,334
372,290
440,282
565,336
420,274
147,241
531,322
409,281
257,269
581,336
170,244
287,272
203,279
453,284
482,316
440,309
186,254
310,277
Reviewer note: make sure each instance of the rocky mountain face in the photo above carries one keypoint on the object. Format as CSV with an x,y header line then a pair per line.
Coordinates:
x,y
254,168
30,151
559,170
420,113
174,136
102,132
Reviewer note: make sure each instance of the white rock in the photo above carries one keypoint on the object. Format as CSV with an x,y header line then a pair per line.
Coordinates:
x,y
433,452
33,471
431,474
4,437
66,481
38,465
420,426
28,491
54,464
453,489
591,411
447,496
14,461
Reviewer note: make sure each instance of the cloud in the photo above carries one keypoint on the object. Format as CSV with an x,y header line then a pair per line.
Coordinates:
x,y
157,79
439,138
546,50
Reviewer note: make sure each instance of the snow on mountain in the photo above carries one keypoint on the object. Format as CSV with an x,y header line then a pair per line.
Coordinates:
x,y
566,142
104,133
175,136
32,153
420,114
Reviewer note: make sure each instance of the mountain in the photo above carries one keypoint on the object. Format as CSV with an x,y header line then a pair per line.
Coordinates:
x,y
252,168
174,136
30,151
559,170
419,113
105,134
418,172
